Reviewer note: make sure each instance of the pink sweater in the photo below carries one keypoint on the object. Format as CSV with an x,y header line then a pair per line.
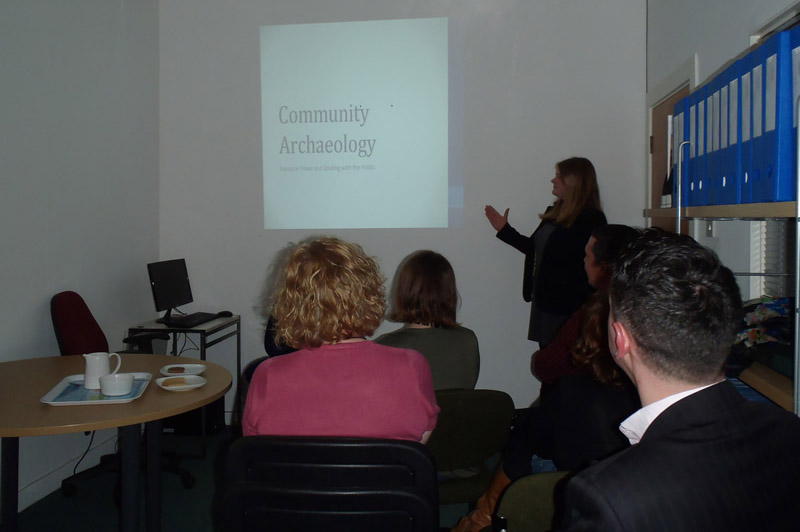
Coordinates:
x,y
359,389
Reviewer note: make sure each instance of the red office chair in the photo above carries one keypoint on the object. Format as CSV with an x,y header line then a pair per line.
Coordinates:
x,y
77,332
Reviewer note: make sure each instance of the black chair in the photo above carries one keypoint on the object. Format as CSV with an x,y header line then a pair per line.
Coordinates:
x,y
290,483
473,426
272,349
77,332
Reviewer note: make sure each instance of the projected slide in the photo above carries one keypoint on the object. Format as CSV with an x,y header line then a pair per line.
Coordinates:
x,y
355,124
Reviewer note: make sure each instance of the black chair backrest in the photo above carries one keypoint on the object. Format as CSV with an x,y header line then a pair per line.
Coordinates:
x,y
251,507
329,483
472,426
316,462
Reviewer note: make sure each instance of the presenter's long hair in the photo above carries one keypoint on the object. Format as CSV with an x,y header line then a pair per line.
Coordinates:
x,y
580,179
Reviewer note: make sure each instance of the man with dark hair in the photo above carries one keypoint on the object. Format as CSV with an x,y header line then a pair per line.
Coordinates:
x,y
702,457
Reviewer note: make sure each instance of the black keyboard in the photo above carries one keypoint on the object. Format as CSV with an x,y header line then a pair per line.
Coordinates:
x,y
187,321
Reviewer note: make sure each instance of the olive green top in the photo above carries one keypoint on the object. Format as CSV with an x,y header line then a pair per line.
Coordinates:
x,y
452,353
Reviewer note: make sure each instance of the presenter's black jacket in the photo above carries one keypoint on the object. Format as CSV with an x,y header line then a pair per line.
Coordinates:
x,y
713,461
561,285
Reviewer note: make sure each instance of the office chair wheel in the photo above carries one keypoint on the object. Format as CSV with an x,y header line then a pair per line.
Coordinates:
x,y
187,480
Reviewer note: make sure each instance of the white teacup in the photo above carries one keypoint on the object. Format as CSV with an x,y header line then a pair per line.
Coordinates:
x,y
116,384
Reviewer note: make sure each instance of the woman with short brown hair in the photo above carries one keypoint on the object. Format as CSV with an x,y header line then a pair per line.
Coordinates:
x,y
425,299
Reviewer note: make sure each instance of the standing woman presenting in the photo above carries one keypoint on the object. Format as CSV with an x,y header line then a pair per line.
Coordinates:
x,y
554,277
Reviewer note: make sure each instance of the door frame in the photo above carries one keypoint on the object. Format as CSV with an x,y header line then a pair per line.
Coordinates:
x,y
685,75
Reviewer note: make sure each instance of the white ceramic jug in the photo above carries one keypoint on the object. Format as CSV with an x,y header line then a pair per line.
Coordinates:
x,y
97,365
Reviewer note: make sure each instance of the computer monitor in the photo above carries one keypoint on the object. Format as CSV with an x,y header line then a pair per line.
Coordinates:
x,y
169,281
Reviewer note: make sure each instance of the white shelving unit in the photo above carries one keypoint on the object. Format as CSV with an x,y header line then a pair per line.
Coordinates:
x,y
766,381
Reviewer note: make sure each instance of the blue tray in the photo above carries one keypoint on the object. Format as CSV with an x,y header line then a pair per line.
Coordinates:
x,y
70,392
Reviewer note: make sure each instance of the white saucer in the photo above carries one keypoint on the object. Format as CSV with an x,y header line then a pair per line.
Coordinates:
x,y
188,369
192,382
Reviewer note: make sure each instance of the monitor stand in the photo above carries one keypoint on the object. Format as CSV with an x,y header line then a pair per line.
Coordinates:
x,y
166,317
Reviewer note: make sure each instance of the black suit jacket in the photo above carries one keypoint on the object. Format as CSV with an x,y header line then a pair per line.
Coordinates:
x,y
561,283
712,461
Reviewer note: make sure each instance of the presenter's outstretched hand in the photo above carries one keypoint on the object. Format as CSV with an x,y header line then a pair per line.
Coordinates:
x,y
495,218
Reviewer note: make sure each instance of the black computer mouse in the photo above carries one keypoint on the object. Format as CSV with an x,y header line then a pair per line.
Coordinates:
x,y
225,314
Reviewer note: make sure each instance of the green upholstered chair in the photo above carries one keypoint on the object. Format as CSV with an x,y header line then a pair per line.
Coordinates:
x,y
528,504
473,426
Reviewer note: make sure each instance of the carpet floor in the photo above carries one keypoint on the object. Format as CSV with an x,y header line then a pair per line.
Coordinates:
x,y
92,506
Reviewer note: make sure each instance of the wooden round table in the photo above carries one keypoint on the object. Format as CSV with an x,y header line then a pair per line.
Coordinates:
x,y
25,382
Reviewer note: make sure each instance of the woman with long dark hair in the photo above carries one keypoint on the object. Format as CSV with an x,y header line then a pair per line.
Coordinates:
x,y
576,422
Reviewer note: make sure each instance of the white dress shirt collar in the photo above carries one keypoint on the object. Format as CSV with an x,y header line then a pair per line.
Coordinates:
x,y
637,423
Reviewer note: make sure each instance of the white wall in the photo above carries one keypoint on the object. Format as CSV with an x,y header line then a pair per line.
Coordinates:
x,y
78,184
717,30
542,81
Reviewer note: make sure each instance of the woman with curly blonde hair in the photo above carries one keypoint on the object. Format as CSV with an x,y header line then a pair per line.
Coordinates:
x,y
329,297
